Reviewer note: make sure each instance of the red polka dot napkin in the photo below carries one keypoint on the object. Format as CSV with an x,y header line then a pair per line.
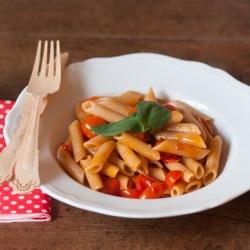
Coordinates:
x,y
34,206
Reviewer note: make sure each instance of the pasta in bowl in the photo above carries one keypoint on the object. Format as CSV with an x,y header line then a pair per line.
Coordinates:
x,y
137,146
197,85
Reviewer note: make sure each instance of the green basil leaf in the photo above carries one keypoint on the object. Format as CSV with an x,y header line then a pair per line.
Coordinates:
x,y
129,123
149,115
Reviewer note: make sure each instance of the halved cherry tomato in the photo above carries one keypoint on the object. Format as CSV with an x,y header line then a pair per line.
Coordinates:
x,y
130,193
143,181
111,186
167,157
172,177
155,190
90,122
144,136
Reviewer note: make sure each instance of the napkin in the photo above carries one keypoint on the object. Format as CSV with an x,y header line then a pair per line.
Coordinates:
x,y
34,206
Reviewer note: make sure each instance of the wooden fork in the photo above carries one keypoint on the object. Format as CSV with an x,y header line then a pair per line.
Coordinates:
x,y
45,79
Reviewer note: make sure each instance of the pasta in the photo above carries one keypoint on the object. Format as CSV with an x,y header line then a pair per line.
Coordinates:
x,y
145,148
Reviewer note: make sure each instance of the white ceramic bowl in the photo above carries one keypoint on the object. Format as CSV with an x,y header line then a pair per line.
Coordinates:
x,y
210,90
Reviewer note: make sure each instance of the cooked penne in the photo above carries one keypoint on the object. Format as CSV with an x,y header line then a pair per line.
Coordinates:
x,y
79,113
148,138
115,105
213,159
187,174
130,97
194,185
94,143
191,139
195,166
69,165
188,128
138,145
182,149
94,179
175,117
129,157
178,189
157,173
100,158
181,105
110,170
150,96
125,181
108,115
77,141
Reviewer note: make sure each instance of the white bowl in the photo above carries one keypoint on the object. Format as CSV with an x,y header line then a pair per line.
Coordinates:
x,y
210,90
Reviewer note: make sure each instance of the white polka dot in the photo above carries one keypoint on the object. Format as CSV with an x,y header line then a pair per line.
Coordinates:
x,y
21,207
44,211
29,211
5,208
1,106
1,116
29,201
1,126
6,188
7,111
13,212
1,145
21,197
13,203
13,193
6,198
7,101
37,196
36,206
44,201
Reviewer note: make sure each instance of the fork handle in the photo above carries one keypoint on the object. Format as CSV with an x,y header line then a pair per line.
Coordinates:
x,y
27,166
8,154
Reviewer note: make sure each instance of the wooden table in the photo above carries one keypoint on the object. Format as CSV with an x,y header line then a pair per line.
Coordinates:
x,y
214,32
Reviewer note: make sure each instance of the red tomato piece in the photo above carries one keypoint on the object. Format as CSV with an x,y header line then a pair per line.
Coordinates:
x,y
131,193
90,122
111,186
154,191
143,181
172,177
167,157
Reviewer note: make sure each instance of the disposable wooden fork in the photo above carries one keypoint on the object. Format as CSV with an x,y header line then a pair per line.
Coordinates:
x,y
45,79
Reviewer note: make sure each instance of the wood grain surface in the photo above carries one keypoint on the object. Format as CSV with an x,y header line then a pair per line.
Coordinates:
x,y
214,32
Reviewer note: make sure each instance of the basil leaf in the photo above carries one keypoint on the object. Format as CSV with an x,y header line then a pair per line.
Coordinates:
x,y
152,115
129,123
149,115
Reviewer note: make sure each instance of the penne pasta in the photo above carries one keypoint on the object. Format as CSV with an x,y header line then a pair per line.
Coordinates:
x,y
100,158
138,145
194,185
195,166
115,105
212,162
69,165
191,139
77,141
146,140
129,157
187,174
182,149
94,108
178,189
94,179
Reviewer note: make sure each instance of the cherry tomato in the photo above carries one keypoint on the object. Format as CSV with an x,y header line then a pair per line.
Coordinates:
x,y
90,122
155,190
144,136
172,177
167,157
143,181
111,186
131,193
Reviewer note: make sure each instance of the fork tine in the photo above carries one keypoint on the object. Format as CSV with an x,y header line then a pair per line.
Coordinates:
x,y
35,70
58,60
44,59
51,60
